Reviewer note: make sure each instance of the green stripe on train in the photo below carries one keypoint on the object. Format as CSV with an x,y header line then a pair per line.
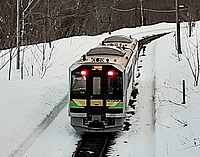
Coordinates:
x,y
118,105
75,105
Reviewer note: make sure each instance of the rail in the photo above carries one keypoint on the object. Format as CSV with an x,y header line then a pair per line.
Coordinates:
x,y
148,39
92,145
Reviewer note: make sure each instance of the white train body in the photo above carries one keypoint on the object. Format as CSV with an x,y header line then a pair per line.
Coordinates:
x,y
100,85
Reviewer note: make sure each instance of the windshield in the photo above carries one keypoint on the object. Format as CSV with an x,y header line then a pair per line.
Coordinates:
x,y
114,84
78,84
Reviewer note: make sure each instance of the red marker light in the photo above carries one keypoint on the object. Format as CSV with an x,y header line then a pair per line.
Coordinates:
x,y
83,72
110,73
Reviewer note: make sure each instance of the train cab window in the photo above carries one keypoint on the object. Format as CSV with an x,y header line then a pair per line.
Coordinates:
x,y
78,84
114,84
96,85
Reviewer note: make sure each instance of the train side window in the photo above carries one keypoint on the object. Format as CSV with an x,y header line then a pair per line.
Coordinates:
x,y
114,84
96,85
79,84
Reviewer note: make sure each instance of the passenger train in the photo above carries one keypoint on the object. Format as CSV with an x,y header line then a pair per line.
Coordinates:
x,y
101,82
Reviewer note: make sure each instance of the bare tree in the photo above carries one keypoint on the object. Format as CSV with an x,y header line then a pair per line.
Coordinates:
x,y
41,59
192,55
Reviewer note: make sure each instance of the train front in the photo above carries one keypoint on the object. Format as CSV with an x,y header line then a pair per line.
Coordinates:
x,y
96,97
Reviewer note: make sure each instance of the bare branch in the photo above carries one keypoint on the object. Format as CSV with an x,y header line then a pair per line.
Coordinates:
x,y
179,121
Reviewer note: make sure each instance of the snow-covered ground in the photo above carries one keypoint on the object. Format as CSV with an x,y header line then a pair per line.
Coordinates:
x,y
33,115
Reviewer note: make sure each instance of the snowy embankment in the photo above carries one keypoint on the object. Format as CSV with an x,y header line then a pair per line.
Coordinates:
x,y
26,103
177,125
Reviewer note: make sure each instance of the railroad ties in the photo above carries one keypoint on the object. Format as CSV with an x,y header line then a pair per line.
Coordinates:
x,y
92,145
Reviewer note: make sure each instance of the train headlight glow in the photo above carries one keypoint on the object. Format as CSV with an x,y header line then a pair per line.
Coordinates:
x,y
110,73
84,72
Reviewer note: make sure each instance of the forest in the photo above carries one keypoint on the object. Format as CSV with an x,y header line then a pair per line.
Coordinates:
x,y
48,20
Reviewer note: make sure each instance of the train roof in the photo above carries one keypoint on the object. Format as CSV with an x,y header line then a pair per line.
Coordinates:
x,y
105,50
117,50
118,38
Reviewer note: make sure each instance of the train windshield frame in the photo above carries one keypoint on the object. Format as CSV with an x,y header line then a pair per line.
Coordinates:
x,y
97,81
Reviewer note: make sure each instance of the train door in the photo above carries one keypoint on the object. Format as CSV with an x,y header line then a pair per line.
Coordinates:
x,y
96,93
96,101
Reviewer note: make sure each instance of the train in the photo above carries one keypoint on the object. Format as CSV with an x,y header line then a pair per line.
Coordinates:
x,y
101,85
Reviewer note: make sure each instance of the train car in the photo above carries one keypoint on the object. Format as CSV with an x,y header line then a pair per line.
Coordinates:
x,y
101,82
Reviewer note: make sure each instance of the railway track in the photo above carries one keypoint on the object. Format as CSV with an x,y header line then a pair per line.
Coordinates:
x,y
148,39
93,145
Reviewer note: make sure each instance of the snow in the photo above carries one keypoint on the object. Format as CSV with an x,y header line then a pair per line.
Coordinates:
x,y
177,131
34,113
